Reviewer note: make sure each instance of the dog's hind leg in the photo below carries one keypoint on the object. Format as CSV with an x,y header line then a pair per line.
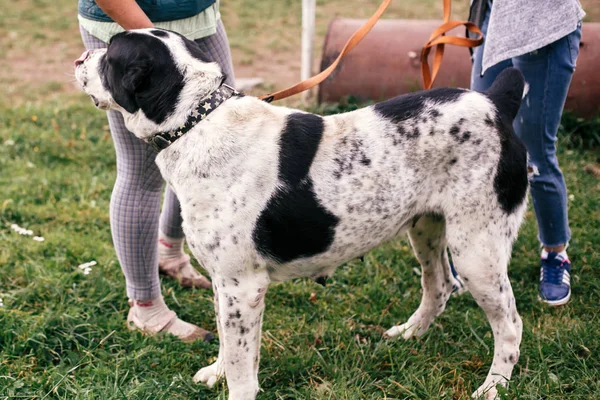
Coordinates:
x,y
428,239
240,310
481,257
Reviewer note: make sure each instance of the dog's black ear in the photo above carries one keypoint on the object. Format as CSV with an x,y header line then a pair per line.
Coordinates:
x,y
135,77
136,74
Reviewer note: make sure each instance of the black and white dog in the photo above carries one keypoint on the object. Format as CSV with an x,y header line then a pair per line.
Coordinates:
x,y
271,193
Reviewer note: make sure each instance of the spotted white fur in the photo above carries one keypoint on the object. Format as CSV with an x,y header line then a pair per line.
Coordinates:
x,y
433,174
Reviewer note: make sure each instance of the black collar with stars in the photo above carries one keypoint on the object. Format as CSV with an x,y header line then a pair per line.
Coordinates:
x,y
162,140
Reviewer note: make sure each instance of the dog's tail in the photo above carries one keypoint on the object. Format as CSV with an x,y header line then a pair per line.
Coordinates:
x,y
507,91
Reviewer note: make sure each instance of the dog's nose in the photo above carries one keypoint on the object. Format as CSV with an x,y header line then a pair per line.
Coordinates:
x,y
81,59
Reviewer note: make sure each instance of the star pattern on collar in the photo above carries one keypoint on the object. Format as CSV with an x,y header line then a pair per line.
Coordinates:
x,y
206,106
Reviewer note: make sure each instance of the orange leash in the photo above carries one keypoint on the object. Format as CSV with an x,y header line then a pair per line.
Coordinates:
x,y
350,44
437,39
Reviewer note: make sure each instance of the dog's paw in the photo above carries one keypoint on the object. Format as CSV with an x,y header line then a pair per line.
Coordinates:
x,y
407,331
485,393
209,375
417,324
488,390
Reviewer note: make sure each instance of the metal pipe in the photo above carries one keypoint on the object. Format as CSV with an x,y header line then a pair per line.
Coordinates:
x,y
308,39
386,63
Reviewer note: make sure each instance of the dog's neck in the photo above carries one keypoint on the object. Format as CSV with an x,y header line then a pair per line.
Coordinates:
x,y
202,110
199,85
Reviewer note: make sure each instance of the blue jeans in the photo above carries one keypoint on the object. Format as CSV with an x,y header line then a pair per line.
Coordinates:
x,y
548,72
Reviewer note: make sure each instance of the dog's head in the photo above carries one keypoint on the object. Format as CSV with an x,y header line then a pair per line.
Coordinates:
x,y
151,76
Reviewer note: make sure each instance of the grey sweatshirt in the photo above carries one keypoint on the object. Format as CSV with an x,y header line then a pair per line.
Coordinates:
x,y
517,27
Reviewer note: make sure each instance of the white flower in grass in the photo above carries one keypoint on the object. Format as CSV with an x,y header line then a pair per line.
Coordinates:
x,y
1,303
87,267
21,231
571,197
9,142
38,238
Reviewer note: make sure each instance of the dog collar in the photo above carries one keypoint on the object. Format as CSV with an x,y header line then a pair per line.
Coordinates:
x,y
162,140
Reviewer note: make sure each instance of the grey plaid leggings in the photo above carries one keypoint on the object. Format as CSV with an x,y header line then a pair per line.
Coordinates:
x,y
135,200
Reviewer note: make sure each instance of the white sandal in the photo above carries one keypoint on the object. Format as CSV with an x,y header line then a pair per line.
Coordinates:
x,y
182,270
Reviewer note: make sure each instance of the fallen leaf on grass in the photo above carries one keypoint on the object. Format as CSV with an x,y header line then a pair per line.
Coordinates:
x,y
593,169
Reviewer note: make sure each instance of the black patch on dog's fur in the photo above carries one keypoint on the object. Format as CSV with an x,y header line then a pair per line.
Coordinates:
x,y
298,146
350,150
411,105
140,73
506,93
510,182
195,50
294,224
157,32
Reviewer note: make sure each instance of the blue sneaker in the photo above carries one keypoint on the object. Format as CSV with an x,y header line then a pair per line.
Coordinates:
x,y
458,285
555,280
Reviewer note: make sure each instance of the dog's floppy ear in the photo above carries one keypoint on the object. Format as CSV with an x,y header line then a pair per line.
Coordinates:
x,y
136,74
135,77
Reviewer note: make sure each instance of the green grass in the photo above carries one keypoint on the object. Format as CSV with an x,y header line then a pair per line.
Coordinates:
x,y
63,334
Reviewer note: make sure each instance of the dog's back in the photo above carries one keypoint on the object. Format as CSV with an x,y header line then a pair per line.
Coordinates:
x,y
446,151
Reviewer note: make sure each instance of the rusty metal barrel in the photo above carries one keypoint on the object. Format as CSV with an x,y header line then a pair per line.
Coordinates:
x,y
386,63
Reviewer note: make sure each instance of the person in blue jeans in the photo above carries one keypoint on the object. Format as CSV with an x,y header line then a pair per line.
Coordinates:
x,y
541,39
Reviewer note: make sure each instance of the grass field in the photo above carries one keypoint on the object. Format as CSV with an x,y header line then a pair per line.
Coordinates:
x,y
63,334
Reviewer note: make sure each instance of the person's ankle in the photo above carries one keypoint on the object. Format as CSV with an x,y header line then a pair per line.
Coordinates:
x,y
146,309
168,247
560,250
555,249
562,254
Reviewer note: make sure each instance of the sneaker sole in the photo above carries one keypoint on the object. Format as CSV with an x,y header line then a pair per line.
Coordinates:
x,y
556,303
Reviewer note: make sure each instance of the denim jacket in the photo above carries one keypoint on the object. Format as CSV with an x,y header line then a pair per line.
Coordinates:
x,y
156,10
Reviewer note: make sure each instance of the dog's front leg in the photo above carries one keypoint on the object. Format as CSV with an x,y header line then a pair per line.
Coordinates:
x,y
241,306
212,373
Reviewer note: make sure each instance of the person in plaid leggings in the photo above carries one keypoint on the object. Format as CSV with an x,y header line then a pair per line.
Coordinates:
x,y
144,238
